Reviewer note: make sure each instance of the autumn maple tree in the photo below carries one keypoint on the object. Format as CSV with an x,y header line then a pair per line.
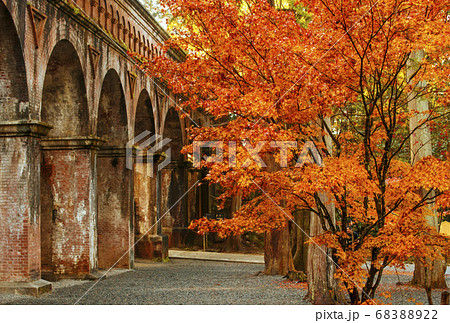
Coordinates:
x,y
342,75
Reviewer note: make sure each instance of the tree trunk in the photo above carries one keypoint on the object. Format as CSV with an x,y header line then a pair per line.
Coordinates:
x,y
277,252
420,142
277,246
434,278
300,248
234,243
322,287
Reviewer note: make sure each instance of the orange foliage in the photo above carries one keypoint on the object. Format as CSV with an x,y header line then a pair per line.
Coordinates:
x,y
340,79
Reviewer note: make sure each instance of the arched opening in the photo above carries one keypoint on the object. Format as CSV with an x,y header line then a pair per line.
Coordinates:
x,y
105,14
111,19
139,43
134,38
112,113
144,114
100,10
13,84
129,36
114,180
174,179
117,34
145,183
124,33
174,131
64,102
67,176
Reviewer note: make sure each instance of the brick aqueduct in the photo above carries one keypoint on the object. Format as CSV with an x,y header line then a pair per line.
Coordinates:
x,y
70,100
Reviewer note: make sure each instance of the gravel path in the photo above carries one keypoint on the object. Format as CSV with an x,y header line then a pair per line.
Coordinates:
x,y
179,282
184,281
395,290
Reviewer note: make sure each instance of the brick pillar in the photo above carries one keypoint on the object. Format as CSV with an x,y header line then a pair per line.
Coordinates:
x,y
115,209
149,243
20,253
69,207
174,210
145,205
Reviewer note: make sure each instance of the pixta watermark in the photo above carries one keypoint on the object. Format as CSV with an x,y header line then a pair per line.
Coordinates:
x,y
308,154
146,151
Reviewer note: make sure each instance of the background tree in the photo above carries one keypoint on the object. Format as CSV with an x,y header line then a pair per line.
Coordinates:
x,y
333,73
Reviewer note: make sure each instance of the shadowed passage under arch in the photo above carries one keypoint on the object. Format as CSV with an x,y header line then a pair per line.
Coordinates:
x,y
13,85
145,183
174,179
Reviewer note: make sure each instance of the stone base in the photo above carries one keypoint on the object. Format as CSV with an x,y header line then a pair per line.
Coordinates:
x,y
94,276
51,276
153,247
34,288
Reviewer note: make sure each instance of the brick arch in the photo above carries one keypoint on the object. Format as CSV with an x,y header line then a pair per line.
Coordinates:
x,y
112,111
118,23
129,36
51,38
99,14
110,16
134,37
64,102
144,119
122,33
139,42
13,79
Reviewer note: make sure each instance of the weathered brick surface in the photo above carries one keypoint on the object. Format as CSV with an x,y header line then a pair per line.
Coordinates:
x,y
71,77
115,235
174,206
145,210
19,216
66,213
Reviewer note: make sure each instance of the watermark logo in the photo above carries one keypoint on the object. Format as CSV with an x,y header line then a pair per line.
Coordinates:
x,y
146,152
308,154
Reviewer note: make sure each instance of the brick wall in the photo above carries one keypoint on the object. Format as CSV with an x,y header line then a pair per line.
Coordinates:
x,y
65,211
19,226
115,235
